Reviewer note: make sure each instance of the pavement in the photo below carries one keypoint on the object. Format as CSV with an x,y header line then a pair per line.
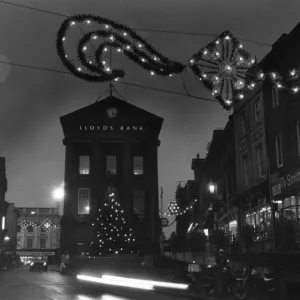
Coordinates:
x,y
21,284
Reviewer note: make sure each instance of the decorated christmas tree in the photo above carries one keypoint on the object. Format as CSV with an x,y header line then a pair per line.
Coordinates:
x,y
113,234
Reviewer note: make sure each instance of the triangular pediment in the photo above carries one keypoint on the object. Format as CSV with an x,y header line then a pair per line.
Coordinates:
x,y
108,115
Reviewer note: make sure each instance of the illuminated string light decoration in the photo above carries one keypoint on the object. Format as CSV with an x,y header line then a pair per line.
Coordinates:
x,y
92,67
175,210
46,225
225,68
113,234
25,224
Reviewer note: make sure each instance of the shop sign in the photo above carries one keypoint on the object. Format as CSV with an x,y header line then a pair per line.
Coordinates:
x,y
290,179
111,128
35,253
276,189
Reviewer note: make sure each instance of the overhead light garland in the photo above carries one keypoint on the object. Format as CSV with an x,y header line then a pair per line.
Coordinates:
x,y
46,225
175,210
224,66
116,36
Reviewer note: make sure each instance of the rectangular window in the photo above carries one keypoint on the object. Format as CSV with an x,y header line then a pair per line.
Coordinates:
x,y
257,109
245,169
30,229
43,229
298,136
18,243
138,201
18,228
243,123
84,165
260,161
111,165
42,243
278,143
138,165
29,243
275,96
83,201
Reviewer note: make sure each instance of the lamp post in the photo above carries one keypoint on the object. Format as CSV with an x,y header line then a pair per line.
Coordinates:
x,y
58,194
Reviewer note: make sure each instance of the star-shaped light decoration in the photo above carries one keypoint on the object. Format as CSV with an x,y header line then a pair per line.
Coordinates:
x,y
226,69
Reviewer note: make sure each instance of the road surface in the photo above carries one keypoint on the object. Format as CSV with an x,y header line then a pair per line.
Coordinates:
x,y
20,284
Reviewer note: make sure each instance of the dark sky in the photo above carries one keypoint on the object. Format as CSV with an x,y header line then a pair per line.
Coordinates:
x,y
32,101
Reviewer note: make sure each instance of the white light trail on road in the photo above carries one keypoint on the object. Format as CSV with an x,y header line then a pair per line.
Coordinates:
x,y
180,286
136,285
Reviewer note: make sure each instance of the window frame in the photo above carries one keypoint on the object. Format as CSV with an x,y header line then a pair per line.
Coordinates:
x,y
298,136
44,244
243,122
260,160
89,165
133,165
275,97
89,201
30,239
255,102
139,189
116,161
245,171
277,148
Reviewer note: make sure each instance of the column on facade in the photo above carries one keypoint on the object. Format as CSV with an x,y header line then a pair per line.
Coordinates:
x,y
125,196
154,221
97,183
69,176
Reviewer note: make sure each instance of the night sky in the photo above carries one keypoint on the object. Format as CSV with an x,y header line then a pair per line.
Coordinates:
x,y
32,101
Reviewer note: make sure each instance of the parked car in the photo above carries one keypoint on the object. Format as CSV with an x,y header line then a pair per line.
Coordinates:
x,y
38,265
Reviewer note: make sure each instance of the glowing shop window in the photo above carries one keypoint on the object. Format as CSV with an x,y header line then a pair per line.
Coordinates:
x,y
83,201
84,165
138,165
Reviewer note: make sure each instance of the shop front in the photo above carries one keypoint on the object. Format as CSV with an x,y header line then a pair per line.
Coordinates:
x,y
286,194
27,255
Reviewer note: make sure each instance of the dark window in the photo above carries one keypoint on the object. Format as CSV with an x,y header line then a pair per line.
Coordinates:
x,y
83,201
30,229
275,96
43,229
111,165
139,201
278,143
245,169
84,165
18,228
42,243
243,123
29,243
138,165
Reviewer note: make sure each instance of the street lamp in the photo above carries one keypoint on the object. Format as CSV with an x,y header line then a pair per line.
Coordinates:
x,y
58,194
7,238
211,188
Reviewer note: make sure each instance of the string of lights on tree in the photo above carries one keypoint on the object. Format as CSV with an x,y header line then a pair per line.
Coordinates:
x,y
114,236
46,224
175,210
223,66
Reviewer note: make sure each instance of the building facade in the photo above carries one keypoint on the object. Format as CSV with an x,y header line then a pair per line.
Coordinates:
x,y
3,203
12,216
282,114
253,189
38,233
221,175
110,141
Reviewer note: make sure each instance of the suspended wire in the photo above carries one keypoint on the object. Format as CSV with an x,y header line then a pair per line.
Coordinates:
x,y
127,83
137,29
